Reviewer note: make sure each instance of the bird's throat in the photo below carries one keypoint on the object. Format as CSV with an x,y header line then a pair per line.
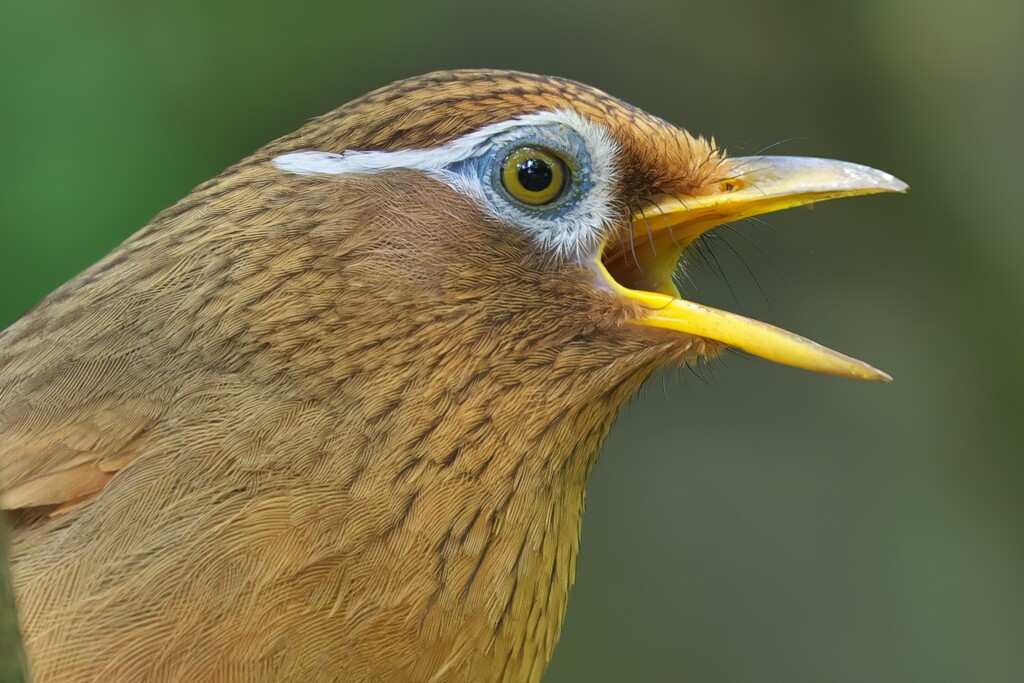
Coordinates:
x,y
484,508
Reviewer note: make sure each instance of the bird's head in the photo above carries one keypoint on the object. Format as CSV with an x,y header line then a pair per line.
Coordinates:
x,y
480,231
540,199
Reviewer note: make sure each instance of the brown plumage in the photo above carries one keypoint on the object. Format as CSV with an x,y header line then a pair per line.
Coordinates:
x,y
328,427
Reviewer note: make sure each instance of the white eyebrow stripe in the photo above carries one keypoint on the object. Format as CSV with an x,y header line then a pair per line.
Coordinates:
x,y
431,159
356,161
311,163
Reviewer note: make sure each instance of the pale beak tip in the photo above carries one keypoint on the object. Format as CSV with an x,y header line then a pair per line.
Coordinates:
x,y
874,374
880,181
897,185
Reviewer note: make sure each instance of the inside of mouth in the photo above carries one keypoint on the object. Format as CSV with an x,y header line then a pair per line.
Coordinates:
x,y
644,261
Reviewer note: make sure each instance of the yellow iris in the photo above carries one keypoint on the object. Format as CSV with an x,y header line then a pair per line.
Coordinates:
x,y
534,175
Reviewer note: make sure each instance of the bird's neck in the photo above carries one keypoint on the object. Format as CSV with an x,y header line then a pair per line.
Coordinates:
x,y
485,480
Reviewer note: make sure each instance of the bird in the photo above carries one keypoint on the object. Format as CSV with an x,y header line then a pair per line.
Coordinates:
x,y
330,417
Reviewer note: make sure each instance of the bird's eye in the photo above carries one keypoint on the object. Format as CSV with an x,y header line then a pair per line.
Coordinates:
x,y
534,176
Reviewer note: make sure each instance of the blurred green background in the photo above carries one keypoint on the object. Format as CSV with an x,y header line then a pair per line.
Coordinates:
x,y
765,524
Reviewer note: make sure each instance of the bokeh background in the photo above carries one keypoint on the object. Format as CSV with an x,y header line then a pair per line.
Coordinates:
x,y
752,523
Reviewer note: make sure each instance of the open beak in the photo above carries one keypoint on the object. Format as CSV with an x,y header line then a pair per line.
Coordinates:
x,y
641,266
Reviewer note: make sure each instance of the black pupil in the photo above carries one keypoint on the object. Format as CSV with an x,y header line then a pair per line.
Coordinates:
x,y
535,174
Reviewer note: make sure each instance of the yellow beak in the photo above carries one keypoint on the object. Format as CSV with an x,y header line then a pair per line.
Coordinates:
x,y
755,185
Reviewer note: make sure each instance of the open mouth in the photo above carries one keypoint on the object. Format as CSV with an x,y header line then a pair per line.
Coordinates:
x,y
640,266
